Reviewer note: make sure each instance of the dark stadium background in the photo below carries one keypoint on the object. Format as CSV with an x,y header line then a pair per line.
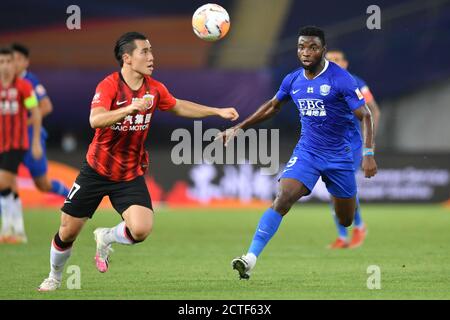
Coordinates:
x,y
405,64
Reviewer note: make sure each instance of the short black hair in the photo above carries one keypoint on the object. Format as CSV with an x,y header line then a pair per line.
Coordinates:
x,y
125,44
18,47
313,31
6,51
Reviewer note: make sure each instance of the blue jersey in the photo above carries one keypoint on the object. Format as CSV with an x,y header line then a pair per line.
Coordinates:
x,y
41,93
38,88
326,105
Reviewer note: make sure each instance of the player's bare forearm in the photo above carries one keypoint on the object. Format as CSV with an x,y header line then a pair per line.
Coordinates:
x,y
266,111
36,122
102,118
368,164
189,109
364,115
375,110
46,106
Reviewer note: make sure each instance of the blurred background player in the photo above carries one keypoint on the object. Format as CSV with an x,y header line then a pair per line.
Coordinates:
x,y
37,167
17,98
359,227
123,104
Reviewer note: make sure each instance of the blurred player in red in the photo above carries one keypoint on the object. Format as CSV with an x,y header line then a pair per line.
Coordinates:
x,y
359,228
16,99
116,161
37,167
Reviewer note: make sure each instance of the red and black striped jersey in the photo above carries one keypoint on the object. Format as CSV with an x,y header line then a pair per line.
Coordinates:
x,y
117,152
15,99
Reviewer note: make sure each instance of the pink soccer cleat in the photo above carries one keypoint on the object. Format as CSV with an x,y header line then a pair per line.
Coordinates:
x,y
103,250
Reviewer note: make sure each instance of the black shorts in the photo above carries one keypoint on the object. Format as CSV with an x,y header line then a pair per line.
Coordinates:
x,y
10,160
90,187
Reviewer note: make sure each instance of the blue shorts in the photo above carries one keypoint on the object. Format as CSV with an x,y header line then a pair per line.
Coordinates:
x,y
338,173
357,157
38,167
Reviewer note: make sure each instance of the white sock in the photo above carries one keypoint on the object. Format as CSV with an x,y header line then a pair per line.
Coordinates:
x,y
58,259
117,234
6,203
251,259
17,216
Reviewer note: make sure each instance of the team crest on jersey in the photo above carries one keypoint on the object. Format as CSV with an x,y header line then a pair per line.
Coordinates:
x,y
325,89
149,98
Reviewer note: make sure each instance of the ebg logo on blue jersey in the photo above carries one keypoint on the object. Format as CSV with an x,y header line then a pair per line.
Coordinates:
x,y
312,107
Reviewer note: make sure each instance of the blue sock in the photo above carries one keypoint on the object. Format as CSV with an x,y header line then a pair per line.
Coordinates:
x,y
342,231
59,188
268,225
357,222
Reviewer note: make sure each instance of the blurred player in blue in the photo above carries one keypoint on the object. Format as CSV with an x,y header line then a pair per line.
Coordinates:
x,y
38,168
327,98
359,227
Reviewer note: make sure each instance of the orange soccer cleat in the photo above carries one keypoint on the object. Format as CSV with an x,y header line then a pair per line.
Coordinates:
x,y
339,243
359,234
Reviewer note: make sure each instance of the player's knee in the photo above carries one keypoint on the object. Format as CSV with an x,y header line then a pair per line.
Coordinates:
x,y
43,186
4,185
284,201
345,221
68,234
140,233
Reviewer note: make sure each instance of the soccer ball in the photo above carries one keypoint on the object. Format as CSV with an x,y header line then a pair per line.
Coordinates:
x,y
211,22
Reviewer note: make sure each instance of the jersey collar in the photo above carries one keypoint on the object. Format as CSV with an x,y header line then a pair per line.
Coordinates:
x,y
323,70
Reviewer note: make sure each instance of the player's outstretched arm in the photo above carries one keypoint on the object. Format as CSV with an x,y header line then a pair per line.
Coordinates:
x,y
188,109
369,165
102,118
266,111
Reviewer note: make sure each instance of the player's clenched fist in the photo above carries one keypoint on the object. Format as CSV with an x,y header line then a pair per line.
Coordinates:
x,y
138,105
369,166
228,113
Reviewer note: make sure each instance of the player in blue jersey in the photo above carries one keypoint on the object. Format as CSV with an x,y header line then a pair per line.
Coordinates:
x,y
359,227
327,98
37,167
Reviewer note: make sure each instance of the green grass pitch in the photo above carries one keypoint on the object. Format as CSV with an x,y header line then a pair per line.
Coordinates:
x,y
189,252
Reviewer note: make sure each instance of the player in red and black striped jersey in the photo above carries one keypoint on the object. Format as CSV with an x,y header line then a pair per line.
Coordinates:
x,y
117,151
16,100
121,111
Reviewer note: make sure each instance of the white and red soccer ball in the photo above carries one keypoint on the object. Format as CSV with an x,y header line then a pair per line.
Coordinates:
x,y
211,22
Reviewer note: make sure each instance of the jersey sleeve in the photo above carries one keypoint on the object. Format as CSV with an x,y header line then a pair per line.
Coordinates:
x,y
104,95
39,89
364,88
350,91
166,100
29,98
283,92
